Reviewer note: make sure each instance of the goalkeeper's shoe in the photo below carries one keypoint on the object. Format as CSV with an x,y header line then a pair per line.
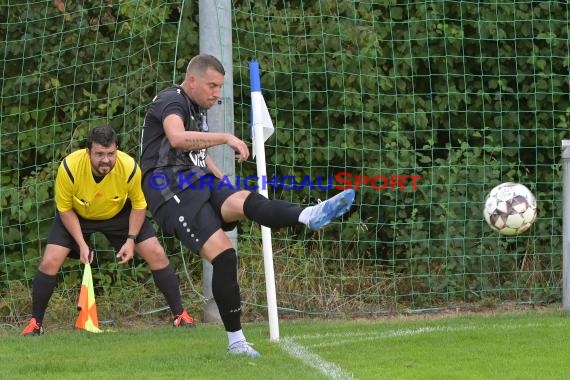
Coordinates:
x,y
184,320
325,212
243,348
34,328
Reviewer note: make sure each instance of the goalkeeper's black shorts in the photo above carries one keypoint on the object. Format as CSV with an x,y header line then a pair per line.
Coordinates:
x,y
115,230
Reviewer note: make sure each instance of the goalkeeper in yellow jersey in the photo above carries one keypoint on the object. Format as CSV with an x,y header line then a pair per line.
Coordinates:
x,y
98,189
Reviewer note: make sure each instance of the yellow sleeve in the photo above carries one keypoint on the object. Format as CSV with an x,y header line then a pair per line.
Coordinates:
x,y
63,190
136,194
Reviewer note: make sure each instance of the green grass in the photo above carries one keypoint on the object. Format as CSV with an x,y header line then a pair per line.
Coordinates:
x,y
529,345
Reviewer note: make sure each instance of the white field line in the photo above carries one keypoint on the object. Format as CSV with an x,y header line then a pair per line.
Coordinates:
x,y
338,339
333,371
328,369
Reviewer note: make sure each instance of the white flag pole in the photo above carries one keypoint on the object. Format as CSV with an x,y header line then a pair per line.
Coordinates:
x,y
260,132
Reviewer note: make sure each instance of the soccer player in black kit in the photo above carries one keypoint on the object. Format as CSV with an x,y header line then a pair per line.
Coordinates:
x,y
176,168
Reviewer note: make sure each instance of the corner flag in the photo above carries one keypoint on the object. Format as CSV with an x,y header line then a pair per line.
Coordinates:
x,y
261,129
260,113
87,319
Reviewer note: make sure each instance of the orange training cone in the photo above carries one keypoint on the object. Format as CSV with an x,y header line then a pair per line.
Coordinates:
x,y
87,318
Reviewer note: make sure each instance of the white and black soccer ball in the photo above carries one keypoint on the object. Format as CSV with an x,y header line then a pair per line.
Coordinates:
x,y
510,208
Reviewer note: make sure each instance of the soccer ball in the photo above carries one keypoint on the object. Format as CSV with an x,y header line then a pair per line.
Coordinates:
x,y
510,208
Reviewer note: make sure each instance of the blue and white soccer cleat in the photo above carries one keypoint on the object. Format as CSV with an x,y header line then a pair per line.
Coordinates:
x,y
243,348
326,211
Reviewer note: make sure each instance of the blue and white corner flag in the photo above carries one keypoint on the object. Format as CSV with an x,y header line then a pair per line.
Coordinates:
x,y
262,126
260,113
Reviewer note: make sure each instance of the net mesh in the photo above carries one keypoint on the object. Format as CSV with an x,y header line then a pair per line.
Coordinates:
x,y
461,95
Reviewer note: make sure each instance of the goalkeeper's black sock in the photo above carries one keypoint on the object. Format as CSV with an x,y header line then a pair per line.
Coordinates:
x,y
42,291
166,280
272,213
225,289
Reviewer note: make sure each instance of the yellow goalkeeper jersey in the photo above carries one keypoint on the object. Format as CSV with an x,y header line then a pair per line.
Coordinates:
x,y
75,187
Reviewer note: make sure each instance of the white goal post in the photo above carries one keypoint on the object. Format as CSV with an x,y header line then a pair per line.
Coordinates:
x,y
565,224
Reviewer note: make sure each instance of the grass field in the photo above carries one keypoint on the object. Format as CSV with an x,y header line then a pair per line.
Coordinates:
x,y
514,345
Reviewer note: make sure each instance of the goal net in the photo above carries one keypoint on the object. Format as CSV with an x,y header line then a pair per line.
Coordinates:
x,y
436,102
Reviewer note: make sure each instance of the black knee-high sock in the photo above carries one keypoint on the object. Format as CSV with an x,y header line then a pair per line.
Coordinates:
x,y
225,289
42,291
167,282
272,213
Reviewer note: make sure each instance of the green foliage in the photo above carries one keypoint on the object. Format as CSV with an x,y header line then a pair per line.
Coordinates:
x,y
62,73
464,96
430,89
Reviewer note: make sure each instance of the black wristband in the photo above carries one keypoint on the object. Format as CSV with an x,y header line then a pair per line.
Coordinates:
x,y
134,237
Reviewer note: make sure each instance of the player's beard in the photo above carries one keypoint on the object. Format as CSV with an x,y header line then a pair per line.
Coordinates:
x,y
102,169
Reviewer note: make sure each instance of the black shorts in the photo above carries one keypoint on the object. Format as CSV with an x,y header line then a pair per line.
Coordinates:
x,y
115,230
193,215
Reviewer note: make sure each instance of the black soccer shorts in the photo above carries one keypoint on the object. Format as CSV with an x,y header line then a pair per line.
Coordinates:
x,y
115,230
193,215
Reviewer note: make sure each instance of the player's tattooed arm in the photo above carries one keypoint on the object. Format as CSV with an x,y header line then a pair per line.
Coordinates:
x,y
197,143
179,138
200,140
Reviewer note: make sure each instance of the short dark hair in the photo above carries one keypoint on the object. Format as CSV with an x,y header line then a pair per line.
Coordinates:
x,y
103,135
202,62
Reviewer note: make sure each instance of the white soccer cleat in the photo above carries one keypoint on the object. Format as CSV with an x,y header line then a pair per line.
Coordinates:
x,y
325,212
243,348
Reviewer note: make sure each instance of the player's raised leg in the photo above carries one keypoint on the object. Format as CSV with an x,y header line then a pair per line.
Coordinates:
x,y
278,213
